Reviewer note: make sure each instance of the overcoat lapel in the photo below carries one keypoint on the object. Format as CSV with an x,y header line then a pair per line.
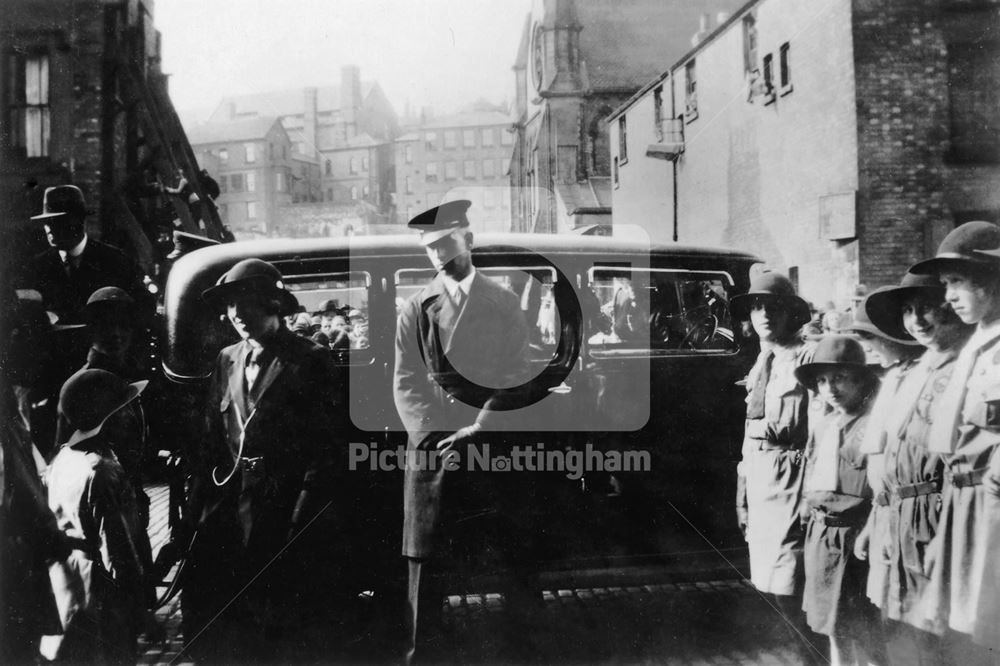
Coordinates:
x,y
237,381
271,373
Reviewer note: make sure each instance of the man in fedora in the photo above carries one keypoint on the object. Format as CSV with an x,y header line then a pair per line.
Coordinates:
x,y
460,354
103,590
75,265
965,585
267,456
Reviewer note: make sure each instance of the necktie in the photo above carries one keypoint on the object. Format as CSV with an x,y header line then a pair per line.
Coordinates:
x,y
252,367
755,405
943,435
459,299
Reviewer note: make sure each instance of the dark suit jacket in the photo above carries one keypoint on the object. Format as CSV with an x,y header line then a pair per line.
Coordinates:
x,y
287,421
453,369
101,265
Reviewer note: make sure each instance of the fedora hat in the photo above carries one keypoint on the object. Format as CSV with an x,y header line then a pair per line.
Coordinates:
x,y
250,276
973,243
63,200
862,323
90,397
885,307
833,351
775,287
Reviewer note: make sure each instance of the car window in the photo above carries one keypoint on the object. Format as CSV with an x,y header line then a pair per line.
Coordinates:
x,y
650,311
347,331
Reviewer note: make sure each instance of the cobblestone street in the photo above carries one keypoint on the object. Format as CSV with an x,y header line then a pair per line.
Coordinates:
x,y
718,622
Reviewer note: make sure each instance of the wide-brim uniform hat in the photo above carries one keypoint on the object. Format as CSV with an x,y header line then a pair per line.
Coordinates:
x,y
90,397
775,287
30,313
438,222
251,276
862,323
833,352
885,307
109,302
973,244
63,200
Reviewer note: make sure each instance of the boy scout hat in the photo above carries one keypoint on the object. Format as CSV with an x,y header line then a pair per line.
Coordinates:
x,y
775,287
833,351
90,397
862,323
62,200
972,243
108,301
250,276
438,222
885,307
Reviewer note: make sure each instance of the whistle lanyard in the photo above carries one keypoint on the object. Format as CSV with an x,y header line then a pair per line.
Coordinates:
x,y
239,452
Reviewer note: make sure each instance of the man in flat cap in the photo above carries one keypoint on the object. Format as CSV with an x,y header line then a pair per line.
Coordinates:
x,y
460,354
75,265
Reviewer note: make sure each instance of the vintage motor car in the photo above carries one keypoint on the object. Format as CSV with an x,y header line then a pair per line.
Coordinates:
x,y
633,351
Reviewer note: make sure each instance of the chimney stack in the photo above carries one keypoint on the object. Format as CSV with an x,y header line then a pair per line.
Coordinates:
x,y
703,29
309,122
350,97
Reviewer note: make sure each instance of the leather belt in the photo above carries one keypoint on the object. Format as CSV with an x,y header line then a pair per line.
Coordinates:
x,y
829,520
899,493
764,444
967,479
251,464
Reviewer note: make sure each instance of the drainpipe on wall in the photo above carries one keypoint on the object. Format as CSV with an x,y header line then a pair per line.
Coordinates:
x,y
673,162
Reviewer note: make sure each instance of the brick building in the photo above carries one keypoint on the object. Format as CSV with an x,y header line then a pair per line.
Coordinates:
x,y
838,139
462,156
255,166
85,102
577,62
346,129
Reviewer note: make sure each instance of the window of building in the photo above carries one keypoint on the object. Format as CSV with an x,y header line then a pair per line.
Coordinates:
x,y
328,168
29,108
430,140
769,77
488,171
251,182
469,169
250,152
690,92
451,170
223,184
329,194
365,191
364,163
432,172
270,151
622,140
354,165
785,69
486,137
251,210
237,181
223,156
469,138
658,113
284,152
279,181
506,138
224,212
450,139
614,171
354,192
973,100
409,185
408,154
749,43
506,165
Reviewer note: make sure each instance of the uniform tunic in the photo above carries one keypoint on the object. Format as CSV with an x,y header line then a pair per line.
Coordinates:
x,y
908,503
964,554
772,465
835,580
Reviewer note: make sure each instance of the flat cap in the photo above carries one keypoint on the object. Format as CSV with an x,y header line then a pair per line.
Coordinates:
x,y
438,222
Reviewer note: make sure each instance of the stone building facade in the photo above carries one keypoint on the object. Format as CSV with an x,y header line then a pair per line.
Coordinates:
x,y
839,140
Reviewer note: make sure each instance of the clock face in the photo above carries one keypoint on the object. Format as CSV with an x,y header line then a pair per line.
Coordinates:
x,y
537,56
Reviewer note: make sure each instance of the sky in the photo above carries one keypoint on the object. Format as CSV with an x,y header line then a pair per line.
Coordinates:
x,y
439,53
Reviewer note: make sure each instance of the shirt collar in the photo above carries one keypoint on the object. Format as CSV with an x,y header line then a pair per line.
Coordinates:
x,y
76,251
454,286
983,335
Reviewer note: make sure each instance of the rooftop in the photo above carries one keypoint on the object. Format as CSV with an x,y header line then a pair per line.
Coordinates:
x,y
245,129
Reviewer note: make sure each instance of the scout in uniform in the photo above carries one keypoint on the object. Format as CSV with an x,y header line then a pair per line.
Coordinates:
x,y
965,552
769,476
837,499
460,358
908,495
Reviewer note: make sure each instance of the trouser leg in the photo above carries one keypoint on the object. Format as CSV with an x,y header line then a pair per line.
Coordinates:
x,y
424,621
811,647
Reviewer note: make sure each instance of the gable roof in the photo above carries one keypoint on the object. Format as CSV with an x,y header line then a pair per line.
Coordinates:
x,y
284,102
245,129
